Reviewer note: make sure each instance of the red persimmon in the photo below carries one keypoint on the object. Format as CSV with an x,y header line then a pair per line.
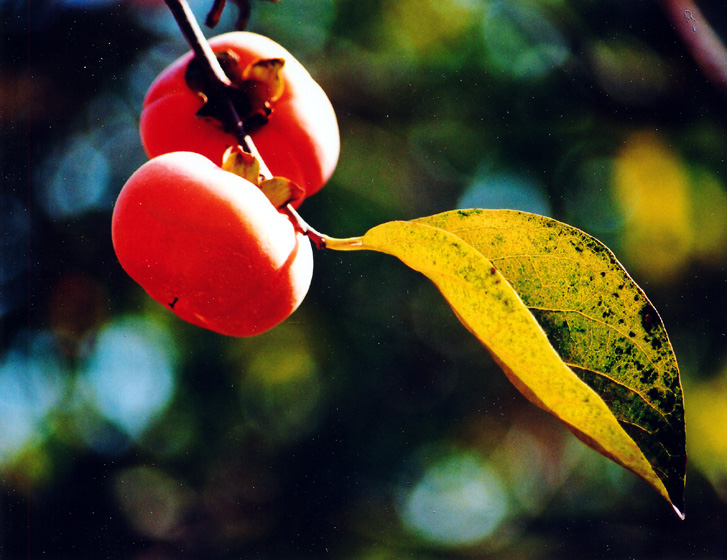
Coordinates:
x,y
300,140
210,246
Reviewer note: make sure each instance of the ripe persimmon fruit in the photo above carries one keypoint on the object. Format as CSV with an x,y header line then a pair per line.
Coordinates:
x,y
210,246
299,139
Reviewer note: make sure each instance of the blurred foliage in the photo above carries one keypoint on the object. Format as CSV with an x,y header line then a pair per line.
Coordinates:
x,y
370,425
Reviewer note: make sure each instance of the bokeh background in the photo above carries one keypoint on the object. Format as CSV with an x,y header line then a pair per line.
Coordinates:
x,y
370,425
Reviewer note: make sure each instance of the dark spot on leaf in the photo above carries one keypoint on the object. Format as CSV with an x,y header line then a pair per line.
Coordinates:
x,y
649,317
648,376
668,403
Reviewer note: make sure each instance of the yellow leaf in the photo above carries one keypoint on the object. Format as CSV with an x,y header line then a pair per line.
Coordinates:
x,y
708,441
651,187
568,326
422,25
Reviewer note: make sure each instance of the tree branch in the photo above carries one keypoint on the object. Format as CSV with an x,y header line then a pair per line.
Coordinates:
x,y
221,85
216,76
700,39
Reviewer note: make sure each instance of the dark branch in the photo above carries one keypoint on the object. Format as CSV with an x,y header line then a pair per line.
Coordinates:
x,y
700,39
243,15
221,87
218,80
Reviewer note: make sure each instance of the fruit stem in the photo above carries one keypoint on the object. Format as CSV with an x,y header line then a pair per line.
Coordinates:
x,y
215,74
195,38
203,52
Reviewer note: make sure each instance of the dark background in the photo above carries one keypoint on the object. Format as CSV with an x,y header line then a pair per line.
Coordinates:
x,y
370,425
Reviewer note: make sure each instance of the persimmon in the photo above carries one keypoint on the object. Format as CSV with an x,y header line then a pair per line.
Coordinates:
x,y
210,246
289,116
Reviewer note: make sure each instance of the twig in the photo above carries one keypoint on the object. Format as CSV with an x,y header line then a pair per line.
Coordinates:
x,y
193,34
221,85
320,240
216,76
243,15
700,39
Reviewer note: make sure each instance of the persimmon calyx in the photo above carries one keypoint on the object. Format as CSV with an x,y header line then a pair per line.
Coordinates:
x,y
279,190
253,92
242,163
264,75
